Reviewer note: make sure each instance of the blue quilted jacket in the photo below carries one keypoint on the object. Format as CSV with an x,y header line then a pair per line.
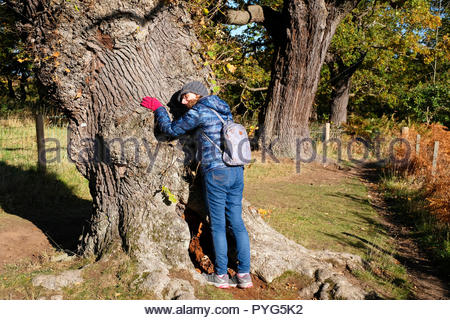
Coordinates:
x,y
200,117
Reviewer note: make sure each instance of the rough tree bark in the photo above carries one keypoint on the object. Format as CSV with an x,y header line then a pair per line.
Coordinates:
x,y
98,59
339,101
302,33
340,80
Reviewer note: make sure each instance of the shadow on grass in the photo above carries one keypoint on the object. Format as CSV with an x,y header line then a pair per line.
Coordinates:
x,y
361,203
346,241
359,243
45,201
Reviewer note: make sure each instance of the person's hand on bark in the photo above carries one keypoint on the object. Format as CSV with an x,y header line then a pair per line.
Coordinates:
x,y
151,103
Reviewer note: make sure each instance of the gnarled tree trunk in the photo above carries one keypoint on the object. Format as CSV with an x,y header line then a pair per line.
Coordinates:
x,y
302,33
339,101
340,80
309,28
98,60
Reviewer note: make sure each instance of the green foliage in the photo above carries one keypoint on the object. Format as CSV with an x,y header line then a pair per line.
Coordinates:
x,y
240,58
428,103
404,46
405,70
17,84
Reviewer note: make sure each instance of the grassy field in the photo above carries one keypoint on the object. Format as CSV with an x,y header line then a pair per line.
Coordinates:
x,y
328,209
319,208
18,149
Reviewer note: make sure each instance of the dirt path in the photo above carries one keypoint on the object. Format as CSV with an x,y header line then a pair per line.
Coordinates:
x,y
20,239
427,284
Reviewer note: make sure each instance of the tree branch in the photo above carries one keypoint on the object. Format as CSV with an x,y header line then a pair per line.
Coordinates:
x,y
255,89
264,15
342,71
254,13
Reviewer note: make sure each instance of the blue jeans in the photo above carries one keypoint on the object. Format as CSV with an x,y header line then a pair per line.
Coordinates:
x,y
223,195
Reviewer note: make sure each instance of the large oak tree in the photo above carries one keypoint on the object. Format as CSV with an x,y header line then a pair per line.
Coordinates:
x,y
302,32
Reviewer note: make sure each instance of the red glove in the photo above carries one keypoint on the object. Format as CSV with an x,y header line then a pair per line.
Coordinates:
x,y
151,103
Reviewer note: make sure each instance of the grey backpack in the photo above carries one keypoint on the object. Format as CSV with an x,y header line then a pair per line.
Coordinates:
x,y
237,147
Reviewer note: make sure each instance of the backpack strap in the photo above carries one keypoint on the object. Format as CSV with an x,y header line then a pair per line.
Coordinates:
x,y
210,140
217,114
206,136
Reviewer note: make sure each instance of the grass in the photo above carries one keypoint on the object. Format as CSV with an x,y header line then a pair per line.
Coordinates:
x,y
18,149
407,200
321,213
326,217
212,293
113,279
